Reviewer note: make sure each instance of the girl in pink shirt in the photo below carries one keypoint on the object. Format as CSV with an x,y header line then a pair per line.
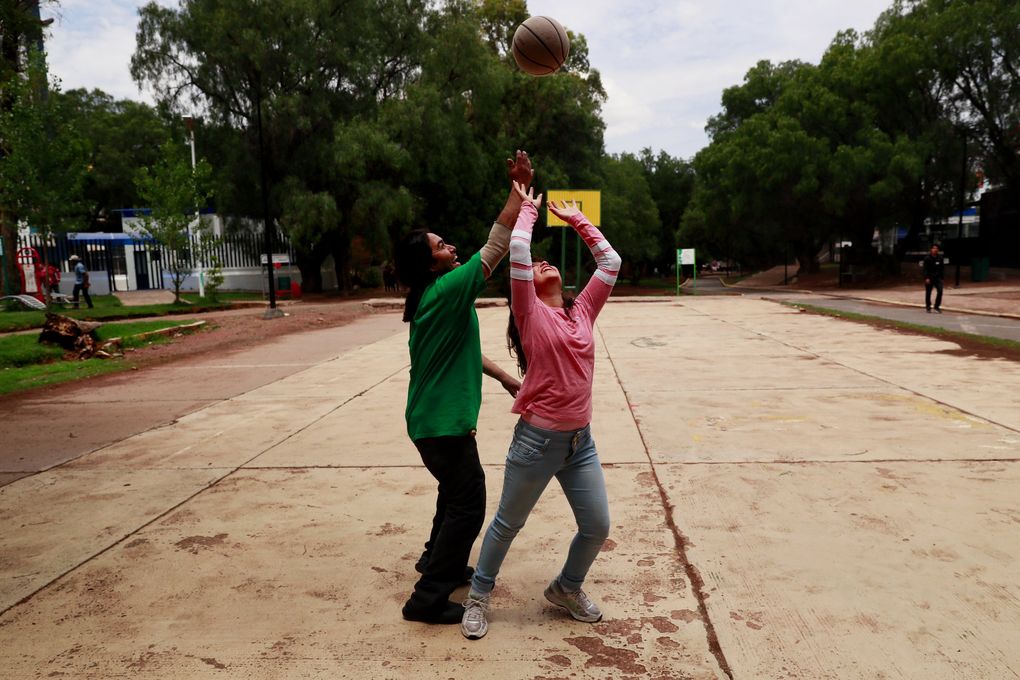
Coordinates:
x,y
556,352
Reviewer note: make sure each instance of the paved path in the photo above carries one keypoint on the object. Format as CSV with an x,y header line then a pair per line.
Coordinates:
x,y
793,496
995,327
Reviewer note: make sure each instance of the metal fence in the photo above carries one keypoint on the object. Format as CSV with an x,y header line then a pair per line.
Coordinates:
x,y
142,261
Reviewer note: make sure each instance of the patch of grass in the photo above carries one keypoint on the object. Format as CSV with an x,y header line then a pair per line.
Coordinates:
x,y
26,364
129,328
39,375
107,308
934,331
25,350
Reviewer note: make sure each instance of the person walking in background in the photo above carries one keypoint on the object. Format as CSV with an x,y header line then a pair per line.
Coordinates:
x,y
933,267
445,395
555,346
81,281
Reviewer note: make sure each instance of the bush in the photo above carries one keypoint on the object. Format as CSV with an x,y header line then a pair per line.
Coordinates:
x,y
371,278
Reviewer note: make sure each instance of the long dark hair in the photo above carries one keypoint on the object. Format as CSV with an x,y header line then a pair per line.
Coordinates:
x,y
513,337
413,258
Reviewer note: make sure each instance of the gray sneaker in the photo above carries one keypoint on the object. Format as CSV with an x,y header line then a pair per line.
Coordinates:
x,y
473,624
577,603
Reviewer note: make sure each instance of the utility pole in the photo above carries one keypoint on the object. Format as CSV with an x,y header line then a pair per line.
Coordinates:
x,y
959,224
272,312
190,122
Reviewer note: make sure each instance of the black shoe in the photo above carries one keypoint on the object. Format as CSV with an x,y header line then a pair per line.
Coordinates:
x,y
419,567
928,309
448,614
938,311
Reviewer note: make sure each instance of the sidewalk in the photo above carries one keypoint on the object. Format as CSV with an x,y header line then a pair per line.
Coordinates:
x,y
985,298
792,496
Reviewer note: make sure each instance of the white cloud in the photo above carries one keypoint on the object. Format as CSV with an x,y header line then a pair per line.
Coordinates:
x,y
668,62
664,63
91,42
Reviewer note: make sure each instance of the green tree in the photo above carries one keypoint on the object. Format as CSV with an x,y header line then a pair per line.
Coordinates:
x,y
976,47
124,136
174,192
43,159
19,31
376,115
469,106
305,64
760,179
671,181
629,214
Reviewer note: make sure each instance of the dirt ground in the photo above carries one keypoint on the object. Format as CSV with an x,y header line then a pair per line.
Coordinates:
x,y
241,328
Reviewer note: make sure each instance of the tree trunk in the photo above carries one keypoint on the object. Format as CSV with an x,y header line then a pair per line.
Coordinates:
x,y
310,265
807,257
9,232
311,276
71,334
341,252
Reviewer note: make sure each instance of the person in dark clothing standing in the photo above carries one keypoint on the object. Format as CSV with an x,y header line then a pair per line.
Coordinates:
x,y
933,267
445,394
81,281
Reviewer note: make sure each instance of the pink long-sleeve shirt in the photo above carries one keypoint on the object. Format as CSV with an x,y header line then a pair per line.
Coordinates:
x,y
560,348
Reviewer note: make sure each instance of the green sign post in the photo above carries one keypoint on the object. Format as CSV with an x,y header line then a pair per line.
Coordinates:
x,y
685,256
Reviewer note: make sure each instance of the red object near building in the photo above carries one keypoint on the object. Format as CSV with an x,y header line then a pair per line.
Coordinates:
x,y
32,273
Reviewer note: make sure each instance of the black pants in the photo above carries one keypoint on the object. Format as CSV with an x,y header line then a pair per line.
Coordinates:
x,y
80,288
460,511
937,285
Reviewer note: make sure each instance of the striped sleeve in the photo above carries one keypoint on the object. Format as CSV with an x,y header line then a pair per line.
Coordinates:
x,y
606,259
522,291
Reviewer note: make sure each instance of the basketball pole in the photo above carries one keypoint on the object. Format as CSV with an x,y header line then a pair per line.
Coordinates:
x,y
577,271
678,271
563,255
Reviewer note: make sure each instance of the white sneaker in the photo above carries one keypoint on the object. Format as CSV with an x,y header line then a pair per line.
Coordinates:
x,y
577,603
473,624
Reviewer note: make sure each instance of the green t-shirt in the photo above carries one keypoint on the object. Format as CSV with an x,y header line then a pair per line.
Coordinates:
x,y
446,356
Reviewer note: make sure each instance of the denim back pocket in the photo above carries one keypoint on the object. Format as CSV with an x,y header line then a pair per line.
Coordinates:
x,y
526,448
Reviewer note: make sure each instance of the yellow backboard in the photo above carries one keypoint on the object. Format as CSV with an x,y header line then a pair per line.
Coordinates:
x,y
589,202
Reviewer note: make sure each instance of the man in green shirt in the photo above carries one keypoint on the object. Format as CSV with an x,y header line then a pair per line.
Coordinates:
x,y
445,394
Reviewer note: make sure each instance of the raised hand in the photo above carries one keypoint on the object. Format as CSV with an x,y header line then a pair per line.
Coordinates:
x,y
528,196
563,209
519,168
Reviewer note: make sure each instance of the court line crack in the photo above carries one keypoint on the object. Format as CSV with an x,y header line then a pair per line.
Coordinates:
x,y
680,540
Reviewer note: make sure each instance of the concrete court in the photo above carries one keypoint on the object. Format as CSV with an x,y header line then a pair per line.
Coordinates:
x,y
793,496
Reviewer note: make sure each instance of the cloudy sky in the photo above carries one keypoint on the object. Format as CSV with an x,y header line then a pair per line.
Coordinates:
x,y
664,63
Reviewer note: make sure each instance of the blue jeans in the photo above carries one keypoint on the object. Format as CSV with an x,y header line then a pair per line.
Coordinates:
x,y
535,457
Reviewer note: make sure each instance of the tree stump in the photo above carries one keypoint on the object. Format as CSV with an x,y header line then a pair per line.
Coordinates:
x,y
73,335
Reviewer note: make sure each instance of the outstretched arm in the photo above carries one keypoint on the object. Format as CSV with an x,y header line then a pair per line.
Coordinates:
x,y
522,290
520,171
607,260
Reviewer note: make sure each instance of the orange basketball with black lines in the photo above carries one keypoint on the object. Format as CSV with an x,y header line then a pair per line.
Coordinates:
x,y
540,46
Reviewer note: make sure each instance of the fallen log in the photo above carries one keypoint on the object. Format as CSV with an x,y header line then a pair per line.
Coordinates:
x,y
73,335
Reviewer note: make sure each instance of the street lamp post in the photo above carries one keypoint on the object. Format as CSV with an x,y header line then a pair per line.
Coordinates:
x,y
190,122
959,224
272,312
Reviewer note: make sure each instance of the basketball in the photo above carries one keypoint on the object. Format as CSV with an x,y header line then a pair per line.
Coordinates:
x,y
540,46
